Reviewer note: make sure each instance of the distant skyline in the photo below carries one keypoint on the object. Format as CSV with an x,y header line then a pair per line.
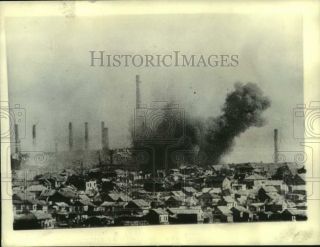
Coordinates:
x,y
50,75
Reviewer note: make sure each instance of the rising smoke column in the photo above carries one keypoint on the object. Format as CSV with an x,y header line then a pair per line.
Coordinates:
x,y
242,109
205,141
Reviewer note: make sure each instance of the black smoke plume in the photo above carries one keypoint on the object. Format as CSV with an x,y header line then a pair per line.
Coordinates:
x,y
242,109
204,141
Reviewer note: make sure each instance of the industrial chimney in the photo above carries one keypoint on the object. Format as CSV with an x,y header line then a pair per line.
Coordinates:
x,y
105,138
138,100
102,136
70,137
16,135
276,151
86,136
34,134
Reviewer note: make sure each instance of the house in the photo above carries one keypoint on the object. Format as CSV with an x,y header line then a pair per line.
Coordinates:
x,y
214,181
107,206
222,214
112,197
226,184
283,172
158,216
255,180
207,216
241,214
190,201
295,197
238,186
46,194
61,207
84,206
64,195
185,215
178,193
267,193
173,201
228,201
138,206
277,205
298,189
45,220
91,186
51,180
189,191
242,170
294,214
139,194
280,185
123,198
36,189
205,199
257,207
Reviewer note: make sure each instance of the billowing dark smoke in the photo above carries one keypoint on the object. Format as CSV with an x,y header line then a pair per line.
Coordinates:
x,y
242,109
202,141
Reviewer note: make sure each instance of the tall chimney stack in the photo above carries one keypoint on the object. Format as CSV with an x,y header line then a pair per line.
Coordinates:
x,y
16,135
138,99
276,151
34,134
102,135
70,137
106,138
86,136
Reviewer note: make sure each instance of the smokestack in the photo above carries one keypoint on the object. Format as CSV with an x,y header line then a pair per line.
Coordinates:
x,y
56,147
276,151
138,100
17,141
70,137
86,136
34,134
105,134
102,136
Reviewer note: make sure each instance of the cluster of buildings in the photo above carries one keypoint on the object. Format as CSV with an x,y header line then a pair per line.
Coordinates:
x,y
185,195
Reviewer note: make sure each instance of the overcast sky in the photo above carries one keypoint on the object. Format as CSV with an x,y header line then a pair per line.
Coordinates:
x,y
49,73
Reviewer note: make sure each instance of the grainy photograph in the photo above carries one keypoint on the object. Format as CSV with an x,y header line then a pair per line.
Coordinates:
x,y
133,120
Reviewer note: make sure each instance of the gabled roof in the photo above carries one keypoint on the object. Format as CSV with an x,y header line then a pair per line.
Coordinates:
x,y
159,211
228,199
62,204
269,189
141,203
178,193
113,196
86,203
295,212
241,209
224,210
42,216
68,193
47,193
107,204
189,189
255,177
185,210
174,198
36,187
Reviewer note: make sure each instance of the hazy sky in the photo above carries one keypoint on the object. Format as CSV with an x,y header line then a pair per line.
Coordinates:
x,y
49,73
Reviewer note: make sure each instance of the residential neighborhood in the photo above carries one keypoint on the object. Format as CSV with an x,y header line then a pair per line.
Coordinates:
x,y
190,194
